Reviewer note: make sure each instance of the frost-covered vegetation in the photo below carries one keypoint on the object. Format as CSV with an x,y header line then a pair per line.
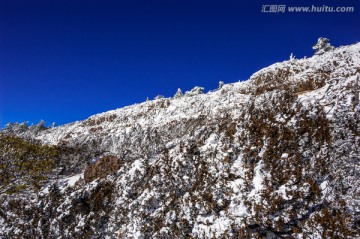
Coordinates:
x,y
276,156
23,164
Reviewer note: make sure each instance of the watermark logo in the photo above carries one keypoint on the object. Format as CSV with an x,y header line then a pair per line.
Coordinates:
x,y
273,8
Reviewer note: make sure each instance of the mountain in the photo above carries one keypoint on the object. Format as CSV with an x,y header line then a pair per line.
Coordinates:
x,y
276,156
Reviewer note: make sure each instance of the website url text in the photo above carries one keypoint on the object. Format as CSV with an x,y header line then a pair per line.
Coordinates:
x,y
313,8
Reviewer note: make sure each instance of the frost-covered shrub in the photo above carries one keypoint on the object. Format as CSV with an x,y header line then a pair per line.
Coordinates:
x,y
24,164
158,97
178,93
323,45
195,91
34,129
221,84
24,129
15,128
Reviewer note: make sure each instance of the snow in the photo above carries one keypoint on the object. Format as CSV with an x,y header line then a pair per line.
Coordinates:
x,y
285,155
258,179
72,180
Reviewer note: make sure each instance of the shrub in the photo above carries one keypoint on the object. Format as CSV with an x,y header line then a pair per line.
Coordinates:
x,y
23,163
195,91
178,93
323,45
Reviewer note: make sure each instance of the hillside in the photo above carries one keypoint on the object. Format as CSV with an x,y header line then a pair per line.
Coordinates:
x,y
276,156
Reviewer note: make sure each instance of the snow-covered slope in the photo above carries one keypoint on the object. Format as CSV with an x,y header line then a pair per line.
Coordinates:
x,y
275,156
333,69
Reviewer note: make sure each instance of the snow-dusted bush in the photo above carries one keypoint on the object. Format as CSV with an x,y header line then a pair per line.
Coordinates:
x,y
24,129
178,93
158,97
221,84
24,164
15,128
38,127
195,91
323,45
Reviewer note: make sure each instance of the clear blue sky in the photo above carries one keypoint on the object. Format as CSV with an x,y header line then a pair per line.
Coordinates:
x,y
62,61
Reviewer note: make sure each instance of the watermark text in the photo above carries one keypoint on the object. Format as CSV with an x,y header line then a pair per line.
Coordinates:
x,y
308,9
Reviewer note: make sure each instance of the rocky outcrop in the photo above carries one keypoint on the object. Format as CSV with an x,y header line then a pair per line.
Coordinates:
x,y
101,168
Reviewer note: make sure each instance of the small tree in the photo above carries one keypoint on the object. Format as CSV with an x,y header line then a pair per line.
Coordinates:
x,y
221,84
38,127
323,45
195,91
158,97
178,93
292,57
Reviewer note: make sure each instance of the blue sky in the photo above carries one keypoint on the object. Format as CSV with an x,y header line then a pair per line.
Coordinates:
x,y
62,61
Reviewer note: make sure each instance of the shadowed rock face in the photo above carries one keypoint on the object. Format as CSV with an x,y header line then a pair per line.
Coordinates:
x,y
101,168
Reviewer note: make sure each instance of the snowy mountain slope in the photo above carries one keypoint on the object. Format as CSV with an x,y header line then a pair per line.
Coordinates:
x,y
276,156
322,70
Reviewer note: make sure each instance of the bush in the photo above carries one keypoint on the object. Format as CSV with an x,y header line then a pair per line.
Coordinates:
x,y
323,45
24,164
195,91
